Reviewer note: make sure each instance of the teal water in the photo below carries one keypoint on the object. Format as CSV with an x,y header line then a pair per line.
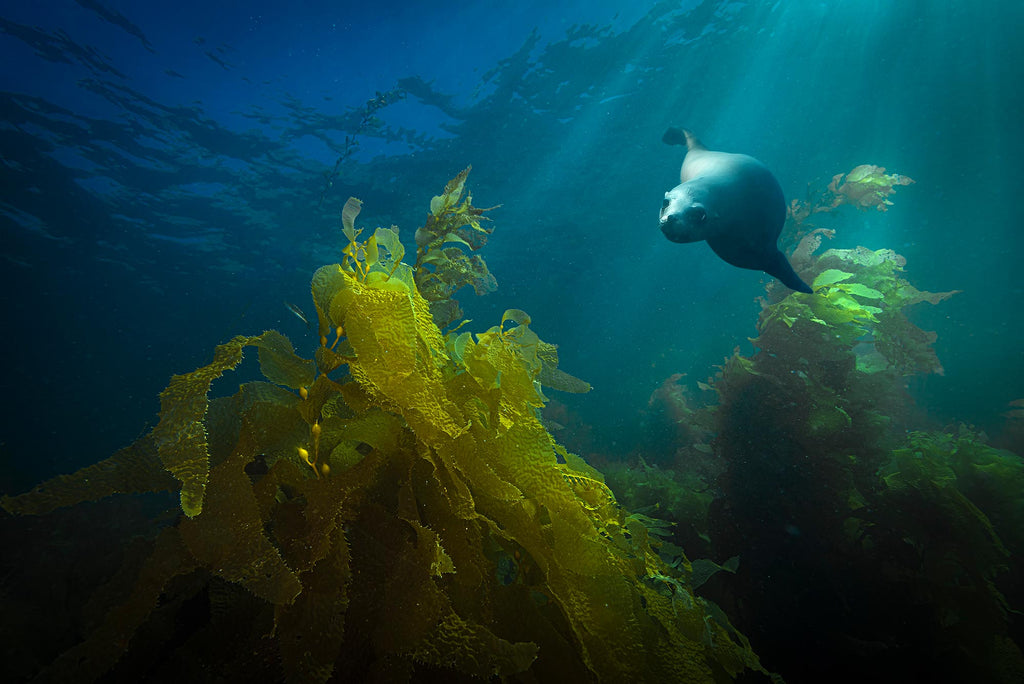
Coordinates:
x,y
170,178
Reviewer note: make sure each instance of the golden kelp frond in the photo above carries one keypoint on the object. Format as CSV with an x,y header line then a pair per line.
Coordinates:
x,y
280,365
348,217
512,346
180,435
225,538
411,517
325,284
452,192
179,440
398,350
593,494
473,649
310,631
263,409
551,376
134,469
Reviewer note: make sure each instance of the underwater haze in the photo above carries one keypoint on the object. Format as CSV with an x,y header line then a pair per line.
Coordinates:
x,y
173,174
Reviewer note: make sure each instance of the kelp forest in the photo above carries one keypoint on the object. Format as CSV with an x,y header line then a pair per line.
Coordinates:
x,y
396,508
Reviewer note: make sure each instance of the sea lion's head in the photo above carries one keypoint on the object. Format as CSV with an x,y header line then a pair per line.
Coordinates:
x,y
684,214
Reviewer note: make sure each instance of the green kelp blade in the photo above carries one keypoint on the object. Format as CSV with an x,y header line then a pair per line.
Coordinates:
x,y
180,435
178,442
457,239
551,376
517,316
830,277
230,539
860,290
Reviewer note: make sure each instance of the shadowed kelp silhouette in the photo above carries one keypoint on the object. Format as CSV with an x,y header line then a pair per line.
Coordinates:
x,y
391,509
843,510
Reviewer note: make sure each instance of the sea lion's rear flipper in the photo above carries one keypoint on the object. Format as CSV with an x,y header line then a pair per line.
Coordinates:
x,y
783,270
680,136
757,258
674,136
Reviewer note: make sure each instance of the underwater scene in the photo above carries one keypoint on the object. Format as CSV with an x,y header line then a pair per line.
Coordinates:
x,y
590,341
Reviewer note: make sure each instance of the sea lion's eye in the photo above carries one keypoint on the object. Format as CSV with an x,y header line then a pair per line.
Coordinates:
x,y
664,203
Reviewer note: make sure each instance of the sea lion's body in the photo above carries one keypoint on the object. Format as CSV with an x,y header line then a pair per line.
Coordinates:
x,y
734,203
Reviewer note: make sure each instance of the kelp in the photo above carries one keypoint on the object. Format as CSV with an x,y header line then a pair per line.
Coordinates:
x,y
946,503
391,509
981,472
823,479
680,495
865,187
857,307
444,246
826,373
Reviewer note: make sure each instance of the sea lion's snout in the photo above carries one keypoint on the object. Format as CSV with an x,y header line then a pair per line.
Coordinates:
x,y
672,227
676,231
683,224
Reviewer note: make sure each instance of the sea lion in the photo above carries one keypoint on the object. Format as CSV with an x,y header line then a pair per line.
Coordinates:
x,y
734,203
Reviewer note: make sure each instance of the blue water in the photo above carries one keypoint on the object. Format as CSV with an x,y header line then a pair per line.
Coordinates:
x,y
164,167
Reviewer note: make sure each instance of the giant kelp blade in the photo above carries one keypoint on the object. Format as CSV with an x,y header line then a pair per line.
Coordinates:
x,y
326,283
280,364
474,649
229,537
830,277
134,469
180,436
92,658
388,239
398,348
178,442
452,193
552,376
311,630
348,217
